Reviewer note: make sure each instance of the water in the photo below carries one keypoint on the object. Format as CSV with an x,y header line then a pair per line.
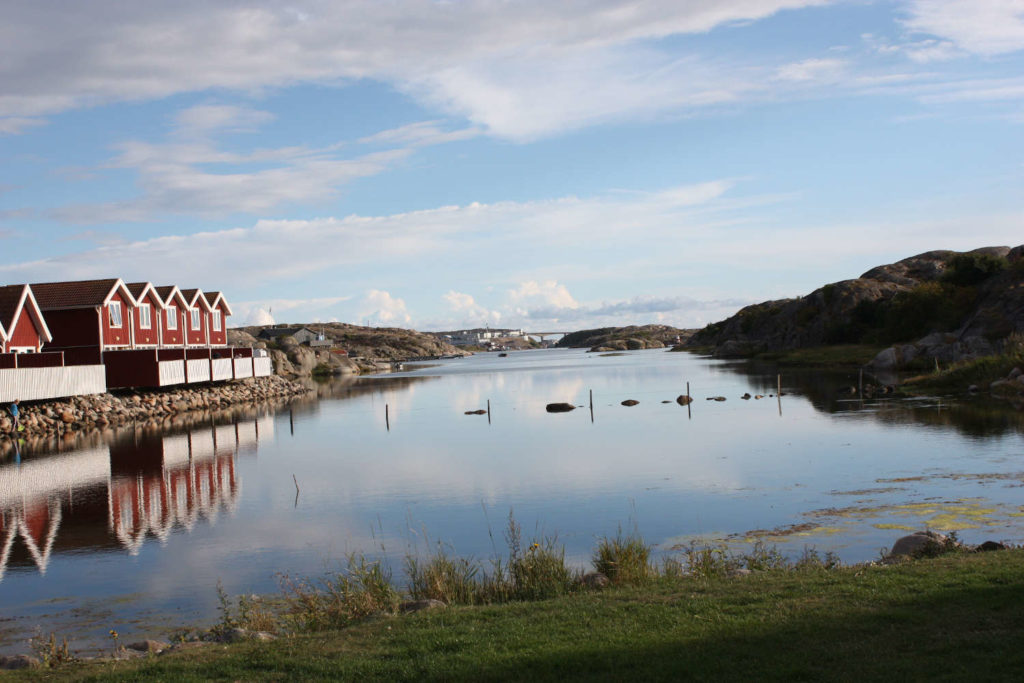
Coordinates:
x,y
134,531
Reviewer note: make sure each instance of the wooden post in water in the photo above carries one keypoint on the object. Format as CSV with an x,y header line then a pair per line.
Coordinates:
x,y
291,422
387,418
488,411
778,391
689,411
860,383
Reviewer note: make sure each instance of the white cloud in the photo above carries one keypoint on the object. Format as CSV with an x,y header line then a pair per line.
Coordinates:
x,y
421,134
259,316
203,119
518,69
468,313
12,125
545,295
813,70
983,27
380,308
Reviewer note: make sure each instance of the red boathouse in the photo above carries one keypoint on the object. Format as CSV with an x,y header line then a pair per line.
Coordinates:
x,y
22,328
87,316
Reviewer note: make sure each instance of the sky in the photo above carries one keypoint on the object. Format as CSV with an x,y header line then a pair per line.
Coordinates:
x,y
551,166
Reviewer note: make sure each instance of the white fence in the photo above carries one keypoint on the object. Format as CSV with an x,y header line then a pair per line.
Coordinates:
x,y
243,368
221,369
198,370
172,372
33,384
263,367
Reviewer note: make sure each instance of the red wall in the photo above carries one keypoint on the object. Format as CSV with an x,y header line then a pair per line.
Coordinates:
x,y
72,328
25,332
117,336
150,337
218,338
197,337
172,337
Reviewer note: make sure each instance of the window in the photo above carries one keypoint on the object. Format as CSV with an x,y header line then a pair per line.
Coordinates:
x,y
172,317
115,313
216,321
145,322
195,319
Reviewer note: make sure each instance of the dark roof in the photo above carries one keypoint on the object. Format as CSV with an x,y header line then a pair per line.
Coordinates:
x,y
9,298
165,293
83,293
137,288
190,295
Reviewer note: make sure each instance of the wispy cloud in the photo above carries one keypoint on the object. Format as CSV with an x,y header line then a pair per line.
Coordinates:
x,y
518,70
983,27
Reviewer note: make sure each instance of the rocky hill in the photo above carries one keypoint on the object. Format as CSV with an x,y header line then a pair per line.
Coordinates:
x,y
949,304
625,338
366,346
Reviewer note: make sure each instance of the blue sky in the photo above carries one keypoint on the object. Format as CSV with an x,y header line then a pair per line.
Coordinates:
x,y
519,164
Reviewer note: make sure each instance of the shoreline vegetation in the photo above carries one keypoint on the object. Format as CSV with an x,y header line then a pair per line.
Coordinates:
x,y
929,608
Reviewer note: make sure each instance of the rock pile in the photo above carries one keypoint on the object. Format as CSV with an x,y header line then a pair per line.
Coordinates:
x,y
100,411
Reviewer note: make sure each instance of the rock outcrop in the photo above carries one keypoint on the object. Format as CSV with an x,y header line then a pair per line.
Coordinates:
x,y
630,338
962,304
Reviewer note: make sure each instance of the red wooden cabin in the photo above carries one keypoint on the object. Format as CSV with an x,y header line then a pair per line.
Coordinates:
x,y
218,318
87,315
147,315
22,327
174,319
198,319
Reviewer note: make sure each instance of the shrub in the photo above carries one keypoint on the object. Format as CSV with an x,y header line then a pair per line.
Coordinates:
x,y
623,559
362,589
537,572
971,269
441,577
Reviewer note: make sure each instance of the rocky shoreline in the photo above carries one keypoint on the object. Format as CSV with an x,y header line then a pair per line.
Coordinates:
x,y
81,414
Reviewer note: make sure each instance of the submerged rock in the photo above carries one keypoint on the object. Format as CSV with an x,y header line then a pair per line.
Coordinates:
x,y
478,411
630,402
684,400
560,407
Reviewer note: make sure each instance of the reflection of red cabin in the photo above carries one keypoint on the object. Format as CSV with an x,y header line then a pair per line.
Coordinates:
x,y
22,328
197,319
172,326
218,318
147,315
87,314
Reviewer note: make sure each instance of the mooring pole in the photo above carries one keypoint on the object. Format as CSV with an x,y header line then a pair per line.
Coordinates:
x,y
387,418
778,392
488,411
291,421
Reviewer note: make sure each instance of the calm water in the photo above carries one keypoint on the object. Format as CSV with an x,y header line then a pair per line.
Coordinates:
x,y
133,532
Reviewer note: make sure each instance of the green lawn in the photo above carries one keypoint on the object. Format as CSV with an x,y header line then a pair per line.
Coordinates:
x,y
957,617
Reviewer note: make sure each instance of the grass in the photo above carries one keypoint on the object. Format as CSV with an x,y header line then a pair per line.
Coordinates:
x,y
980,371
828,356
954,617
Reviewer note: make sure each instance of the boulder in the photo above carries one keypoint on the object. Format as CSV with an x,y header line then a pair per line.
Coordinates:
x,y
479,411
560,407
915,543
594,580
19,662
989,546
154,646
630,402
420,605
684,400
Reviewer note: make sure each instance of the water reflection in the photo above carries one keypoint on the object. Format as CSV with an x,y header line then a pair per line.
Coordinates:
x,y
828,392
144,484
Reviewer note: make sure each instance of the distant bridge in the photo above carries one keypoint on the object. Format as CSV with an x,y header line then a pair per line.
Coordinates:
x,y
541,335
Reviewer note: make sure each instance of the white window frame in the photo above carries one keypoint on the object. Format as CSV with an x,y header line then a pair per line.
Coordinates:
x,y
115,314
196,319
172,317
145,317
216,321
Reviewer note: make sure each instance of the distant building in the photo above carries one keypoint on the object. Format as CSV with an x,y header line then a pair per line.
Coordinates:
x,y
481,336
303,335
